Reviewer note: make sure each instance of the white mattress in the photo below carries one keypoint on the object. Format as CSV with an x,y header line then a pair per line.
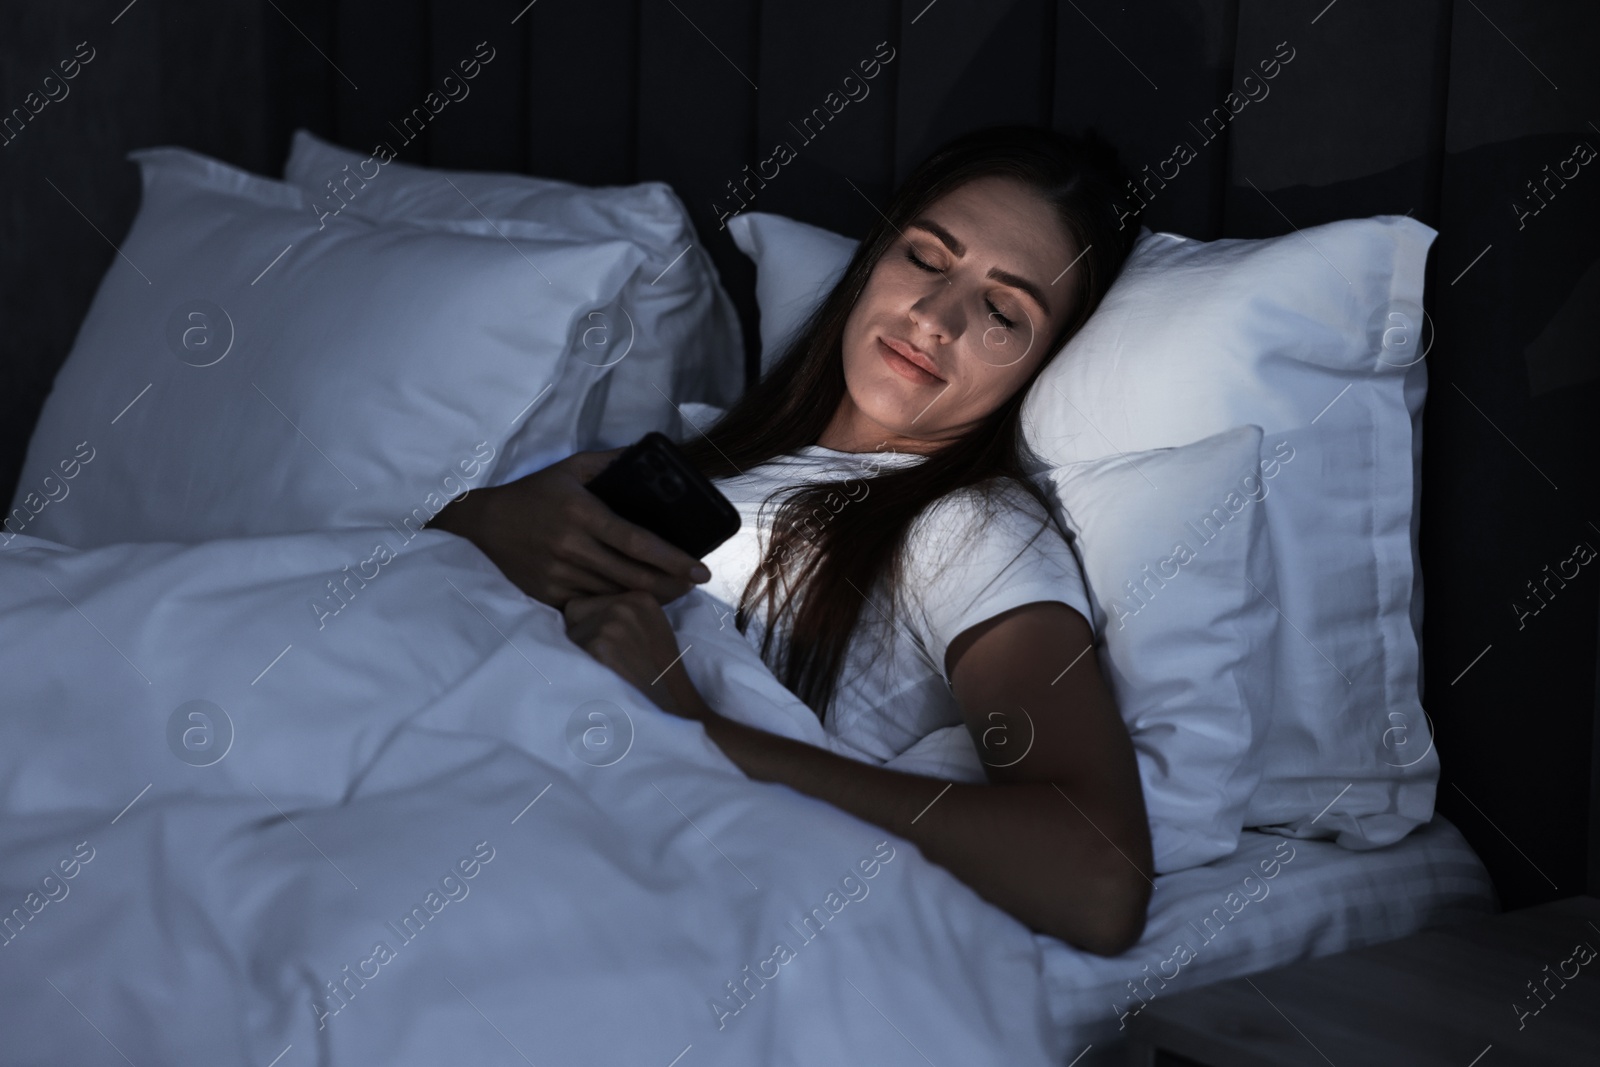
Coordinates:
x,y
1323,899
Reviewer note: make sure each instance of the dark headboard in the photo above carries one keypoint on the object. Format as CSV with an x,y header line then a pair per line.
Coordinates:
x,y
1445,110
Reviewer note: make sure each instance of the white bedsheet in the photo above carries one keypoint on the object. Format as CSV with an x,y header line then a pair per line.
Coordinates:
x,y
426,729
1321,898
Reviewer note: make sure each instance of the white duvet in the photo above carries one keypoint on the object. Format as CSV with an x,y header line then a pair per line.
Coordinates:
x,y
249,820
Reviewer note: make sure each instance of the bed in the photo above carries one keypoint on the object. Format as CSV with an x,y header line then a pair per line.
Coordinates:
x,y
243,744
285,760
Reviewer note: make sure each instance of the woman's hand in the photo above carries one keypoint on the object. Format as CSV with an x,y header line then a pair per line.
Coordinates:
x,y
629,633
555,540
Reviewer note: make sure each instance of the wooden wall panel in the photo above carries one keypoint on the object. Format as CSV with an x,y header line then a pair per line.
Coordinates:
x,y
1509,478
192,111
381,56
967,64
485,124
69,190
1146,79
583,89
697,125
807,53
299,88
1379,158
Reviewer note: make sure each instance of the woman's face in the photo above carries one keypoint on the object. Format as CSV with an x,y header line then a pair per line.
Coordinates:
x,y
980,308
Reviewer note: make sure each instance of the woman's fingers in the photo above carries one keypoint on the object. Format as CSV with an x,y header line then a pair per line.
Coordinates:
x,y
589,616
566,581
556,540
636,543
585,465
579,610
630,540
599,563
627,573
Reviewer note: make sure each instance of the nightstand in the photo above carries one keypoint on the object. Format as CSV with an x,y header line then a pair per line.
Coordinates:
x,y
1461,995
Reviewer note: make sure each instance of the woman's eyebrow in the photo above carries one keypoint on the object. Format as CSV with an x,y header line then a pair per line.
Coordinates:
x,y
957,248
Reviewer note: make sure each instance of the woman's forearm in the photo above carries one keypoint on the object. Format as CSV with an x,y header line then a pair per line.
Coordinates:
x,y
1031,849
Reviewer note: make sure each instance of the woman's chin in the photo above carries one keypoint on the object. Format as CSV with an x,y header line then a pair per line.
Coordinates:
x,y
888,407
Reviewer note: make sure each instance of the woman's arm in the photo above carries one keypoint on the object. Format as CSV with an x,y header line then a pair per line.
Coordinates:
x,y
555,540
1060,839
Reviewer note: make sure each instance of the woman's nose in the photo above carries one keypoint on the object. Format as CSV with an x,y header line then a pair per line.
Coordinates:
x,y
939,312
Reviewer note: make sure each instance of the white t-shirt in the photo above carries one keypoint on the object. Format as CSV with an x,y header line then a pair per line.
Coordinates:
x,y
958,570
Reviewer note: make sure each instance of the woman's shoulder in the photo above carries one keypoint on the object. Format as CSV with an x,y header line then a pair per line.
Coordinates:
x,y
984,549
998,511
999,497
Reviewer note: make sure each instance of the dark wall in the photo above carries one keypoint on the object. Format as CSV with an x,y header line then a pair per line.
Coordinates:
x,y
1443,109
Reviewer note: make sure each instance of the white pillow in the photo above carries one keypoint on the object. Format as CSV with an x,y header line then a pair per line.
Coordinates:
x,y
673,336
1195,338
1174,546
796,266
1312,336
241,372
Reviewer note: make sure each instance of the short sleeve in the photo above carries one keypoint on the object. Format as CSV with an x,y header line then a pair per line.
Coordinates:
x,y
968,560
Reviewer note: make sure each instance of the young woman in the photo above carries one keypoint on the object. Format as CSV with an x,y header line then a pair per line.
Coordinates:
x,y
906,575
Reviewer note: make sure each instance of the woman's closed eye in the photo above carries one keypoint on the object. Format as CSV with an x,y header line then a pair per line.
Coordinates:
x,y
911,255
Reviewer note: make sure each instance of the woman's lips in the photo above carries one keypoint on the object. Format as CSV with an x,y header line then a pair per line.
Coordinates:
x,y
904,367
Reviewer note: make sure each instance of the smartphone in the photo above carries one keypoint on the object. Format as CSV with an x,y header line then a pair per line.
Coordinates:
x,y
653,484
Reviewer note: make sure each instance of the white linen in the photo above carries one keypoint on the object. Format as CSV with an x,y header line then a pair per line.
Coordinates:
x,y
246,370
671,336
192,914
1175,543
1273,902
796,265
435,719
1314,336
961,565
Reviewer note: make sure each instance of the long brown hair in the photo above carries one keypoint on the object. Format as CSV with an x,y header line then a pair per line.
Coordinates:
x,y
825,590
